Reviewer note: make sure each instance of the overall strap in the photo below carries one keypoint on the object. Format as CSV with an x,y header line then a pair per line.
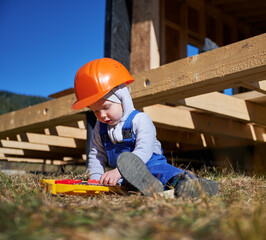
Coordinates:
x,y
113,150
127,127
103,133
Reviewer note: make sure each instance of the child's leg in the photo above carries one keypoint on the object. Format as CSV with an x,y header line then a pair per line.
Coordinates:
x,y
185,183
188,184
135,172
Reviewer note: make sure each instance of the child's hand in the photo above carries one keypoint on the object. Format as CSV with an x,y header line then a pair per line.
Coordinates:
x,y
110,177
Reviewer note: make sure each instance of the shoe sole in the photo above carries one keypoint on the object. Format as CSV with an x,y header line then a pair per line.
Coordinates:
x,y
193,188
135,172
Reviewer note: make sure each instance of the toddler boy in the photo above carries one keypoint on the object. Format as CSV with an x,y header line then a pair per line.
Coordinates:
x,y
125,137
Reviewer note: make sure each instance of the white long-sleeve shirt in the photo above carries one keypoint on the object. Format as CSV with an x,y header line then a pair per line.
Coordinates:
x,y
146,143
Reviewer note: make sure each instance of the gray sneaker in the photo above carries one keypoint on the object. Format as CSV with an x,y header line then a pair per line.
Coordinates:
x,y
195,187
136,173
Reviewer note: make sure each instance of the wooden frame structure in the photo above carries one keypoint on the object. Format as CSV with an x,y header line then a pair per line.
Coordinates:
x,y
181,98
162,29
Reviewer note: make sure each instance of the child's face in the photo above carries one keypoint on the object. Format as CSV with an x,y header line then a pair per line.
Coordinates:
x,y
107,111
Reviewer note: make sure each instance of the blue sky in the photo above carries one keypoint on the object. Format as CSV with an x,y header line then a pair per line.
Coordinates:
x,y
44,42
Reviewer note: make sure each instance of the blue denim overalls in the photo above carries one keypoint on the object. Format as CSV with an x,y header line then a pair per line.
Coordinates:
x,y
157,165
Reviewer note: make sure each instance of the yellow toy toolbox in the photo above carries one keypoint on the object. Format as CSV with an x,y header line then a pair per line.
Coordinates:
x,y
78,187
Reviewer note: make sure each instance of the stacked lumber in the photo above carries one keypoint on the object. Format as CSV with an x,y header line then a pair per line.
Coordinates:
x,y
183,99
59,145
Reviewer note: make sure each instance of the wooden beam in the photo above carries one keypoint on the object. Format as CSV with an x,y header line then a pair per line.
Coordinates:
x,y
167,135
203,123
222,142
145,36
250,13
216,15
23,145
225,2
198,139
228,106
31,160
43,115
154,34
40,154
211,71
62,93
218,69
39,147
11,151
257,86
43,161
244,5
55,140
81,124
64,131
140,43
23,160
252,96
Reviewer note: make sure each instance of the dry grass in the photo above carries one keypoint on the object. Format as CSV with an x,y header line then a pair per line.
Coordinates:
x,y
238,212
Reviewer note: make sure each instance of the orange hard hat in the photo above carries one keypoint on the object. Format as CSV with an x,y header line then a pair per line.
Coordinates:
x,y
97,78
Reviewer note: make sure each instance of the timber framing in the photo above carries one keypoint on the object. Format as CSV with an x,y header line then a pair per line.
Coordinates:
x,y
182,98
226,67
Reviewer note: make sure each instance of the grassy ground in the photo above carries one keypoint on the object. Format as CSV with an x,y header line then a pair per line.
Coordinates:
x,y
238,212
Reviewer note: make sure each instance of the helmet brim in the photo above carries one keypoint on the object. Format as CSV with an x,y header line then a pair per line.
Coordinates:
x,y
88,101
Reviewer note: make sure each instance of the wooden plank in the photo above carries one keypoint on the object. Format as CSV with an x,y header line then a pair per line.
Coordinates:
x,y
203,123
215,21
218,69
198,139
197,26
225,2
25,160
43,115
40,154
11,151
229,106
72,132
62,93
32,160
211,71
222,142
140,43
164,134
257,86
81,124
42,149
43,161
252,96
24,145
55,140
154,34
82,156
245,5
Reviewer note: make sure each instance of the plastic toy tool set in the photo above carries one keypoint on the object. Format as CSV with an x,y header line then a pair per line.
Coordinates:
x,y
78,187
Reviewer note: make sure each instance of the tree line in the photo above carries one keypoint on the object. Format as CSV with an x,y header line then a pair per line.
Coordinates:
x,y
11,101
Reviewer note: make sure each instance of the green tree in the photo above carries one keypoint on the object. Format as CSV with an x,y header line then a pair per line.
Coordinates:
x,y
11,101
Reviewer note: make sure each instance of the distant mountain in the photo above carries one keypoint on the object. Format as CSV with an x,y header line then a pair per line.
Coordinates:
x,y
11,101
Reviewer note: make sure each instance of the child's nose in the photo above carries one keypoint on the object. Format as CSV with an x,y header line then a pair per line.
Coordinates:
x,y
102,114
